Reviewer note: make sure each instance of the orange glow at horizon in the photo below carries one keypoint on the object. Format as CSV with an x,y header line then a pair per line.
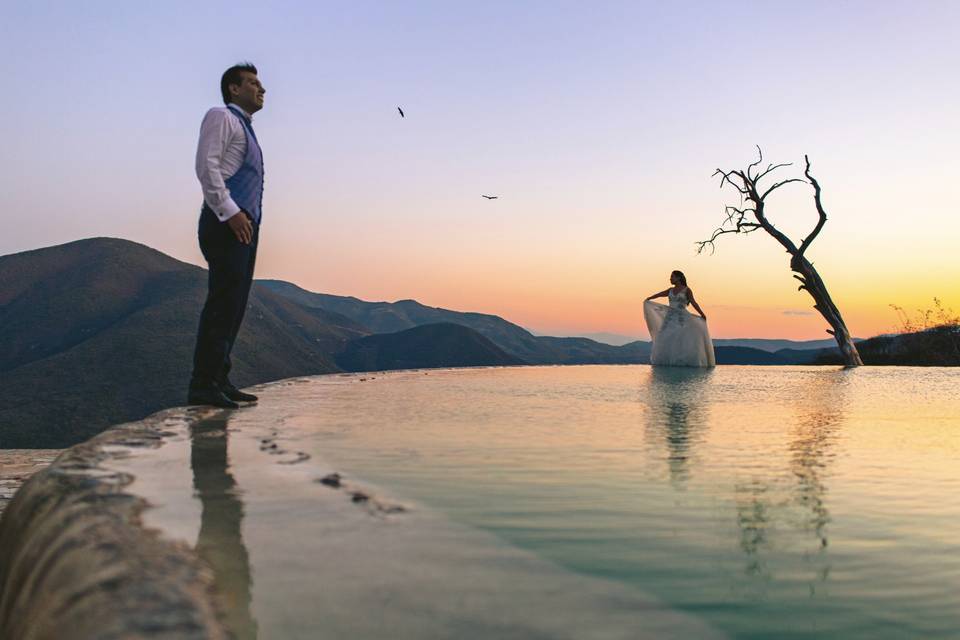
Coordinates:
x,y
577,274
570,298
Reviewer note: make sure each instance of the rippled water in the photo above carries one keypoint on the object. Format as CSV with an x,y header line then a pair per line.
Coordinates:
x,y
770,502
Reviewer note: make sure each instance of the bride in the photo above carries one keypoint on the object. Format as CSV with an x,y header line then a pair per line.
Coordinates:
x,y
679,337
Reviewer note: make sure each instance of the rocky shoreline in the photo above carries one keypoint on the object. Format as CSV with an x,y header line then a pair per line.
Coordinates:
x,y
75,560
16,467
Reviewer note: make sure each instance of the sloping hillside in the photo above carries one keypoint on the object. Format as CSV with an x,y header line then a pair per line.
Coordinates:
x,y
425,346
102,330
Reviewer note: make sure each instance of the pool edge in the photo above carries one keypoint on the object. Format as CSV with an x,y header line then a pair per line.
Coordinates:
x,y
77,562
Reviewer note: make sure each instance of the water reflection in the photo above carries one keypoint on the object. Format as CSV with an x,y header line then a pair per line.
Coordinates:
x,y
785,499
220,543
678,413
820,412
755,513
819,405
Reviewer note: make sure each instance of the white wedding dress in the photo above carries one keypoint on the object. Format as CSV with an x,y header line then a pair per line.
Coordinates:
x,y
680,338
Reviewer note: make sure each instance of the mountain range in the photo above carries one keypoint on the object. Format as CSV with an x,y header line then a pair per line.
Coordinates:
x,y
388,317
101,331
763,344
775,345
421,347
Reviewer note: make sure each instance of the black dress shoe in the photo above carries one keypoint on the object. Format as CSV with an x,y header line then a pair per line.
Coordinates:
x,y
236,395
211,397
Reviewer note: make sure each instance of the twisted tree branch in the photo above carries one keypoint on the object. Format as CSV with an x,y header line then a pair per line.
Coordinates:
x,y
771,168
823,214
726,178
741,227
746,183
759,160
777,185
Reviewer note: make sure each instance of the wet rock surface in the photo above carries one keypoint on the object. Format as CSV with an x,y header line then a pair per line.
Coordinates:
x,y
75,562
374,504
16,467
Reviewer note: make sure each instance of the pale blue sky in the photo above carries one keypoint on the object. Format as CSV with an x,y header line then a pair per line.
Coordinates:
x,y
598,124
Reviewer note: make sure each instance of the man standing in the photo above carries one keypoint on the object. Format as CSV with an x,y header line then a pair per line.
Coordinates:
x,y
230,169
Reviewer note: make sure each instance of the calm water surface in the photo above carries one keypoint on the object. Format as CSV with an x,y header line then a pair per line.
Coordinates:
x,y
771,502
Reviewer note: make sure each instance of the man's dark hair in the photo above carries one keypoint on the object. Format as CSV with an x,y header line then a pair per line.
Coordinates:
x,y
232,76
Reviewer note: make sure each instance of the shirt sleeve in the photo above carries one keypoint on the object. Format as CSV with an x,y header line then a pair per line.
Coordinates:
x,y
214,136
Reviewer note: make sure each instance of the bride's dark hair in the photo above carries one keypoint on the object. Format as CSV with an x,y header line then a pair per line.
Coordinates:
x,y
679,274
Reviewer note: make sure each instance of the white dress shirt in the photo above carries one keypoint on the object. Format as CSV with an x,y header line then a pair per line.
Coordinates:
x,y
220,152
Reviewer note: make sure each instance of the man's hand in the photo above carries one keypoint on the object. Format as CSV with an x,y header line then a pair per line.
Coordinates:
x,y
241,227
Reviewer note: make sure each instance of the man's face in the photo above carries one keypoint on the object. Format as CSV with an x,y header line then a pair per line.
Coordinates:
x,y
249,93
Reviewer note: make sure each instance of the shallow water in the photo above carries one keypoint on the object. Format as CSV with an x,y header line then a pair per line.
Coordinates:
x,y
771,502
594,501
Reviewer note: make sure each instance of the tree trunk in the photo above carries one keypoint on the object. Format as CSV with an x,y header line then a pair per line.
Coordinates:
x,y
738,221
818,291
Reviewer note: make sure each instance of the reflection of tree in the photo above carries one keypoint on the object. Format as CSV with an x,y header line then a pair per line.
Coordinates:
x,y
678,413
220,543
820,413
754,514
819,408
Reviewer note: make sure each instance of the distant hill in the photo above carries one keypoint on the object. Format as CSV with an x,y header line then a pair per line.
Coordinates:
x,y
763,344
746,355
517,341
614,339
586,351
937,347
424,346
807,356
102,331
385,317
772,345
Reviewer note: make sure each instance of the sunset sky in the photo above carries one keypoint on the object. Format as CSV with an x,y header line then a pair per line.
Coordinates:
x,y
598,125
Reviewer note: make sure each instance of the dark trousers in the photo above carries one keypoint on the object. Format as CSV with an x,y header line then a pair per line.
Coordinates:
x,y
228,286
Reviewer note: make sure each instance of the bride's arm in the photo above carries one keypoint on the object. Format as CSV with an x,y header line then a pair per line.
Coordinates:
x,y
658,295
694,304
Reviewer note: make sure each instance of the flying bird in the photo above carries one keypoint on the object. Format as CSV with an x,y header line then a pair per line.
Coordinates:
x,y
401,112
489,197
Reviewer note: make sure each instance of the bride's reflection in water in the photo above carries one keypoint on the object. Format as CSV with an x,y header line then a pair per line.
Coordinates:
x,y
678,413
220,543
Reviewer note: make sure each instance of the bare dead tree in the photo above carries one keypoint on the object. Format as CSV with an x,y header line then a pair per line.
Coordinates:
x,y
751,215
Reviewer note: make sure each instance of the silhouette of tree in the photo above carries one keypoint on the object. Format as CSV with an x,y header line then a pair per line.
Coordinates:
x,y
751,215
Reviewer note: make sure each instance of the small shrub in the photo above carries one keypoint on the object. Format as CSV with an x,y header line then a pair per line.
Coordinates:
x,y
933,335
